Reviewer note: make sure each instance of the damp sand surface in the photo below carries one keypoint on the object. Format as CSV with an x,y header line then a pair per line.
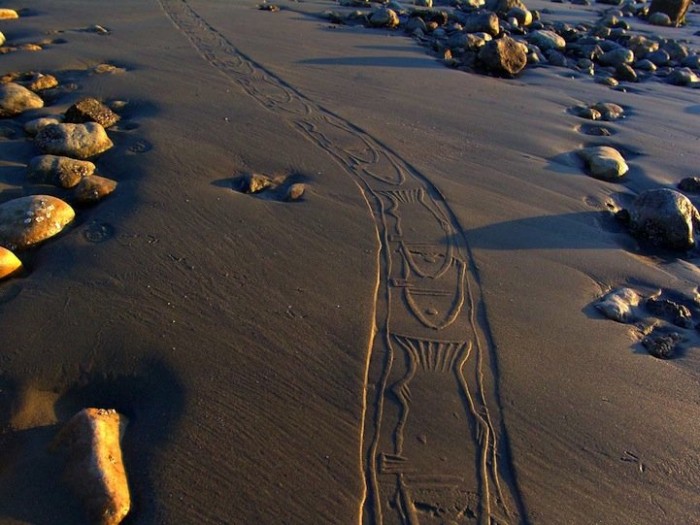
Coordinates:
x,y
413,338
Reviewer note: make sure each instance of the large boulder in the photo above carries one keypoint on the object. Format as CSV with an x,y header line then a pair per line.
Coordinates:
x,y
80,141
675,9
9,263
16,99
61,171
504,56
27,221
604,162
664,217
91,444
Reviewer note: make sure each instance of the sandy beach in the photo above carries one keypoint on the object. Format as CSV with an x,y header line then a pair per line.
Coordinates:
x,y
412,340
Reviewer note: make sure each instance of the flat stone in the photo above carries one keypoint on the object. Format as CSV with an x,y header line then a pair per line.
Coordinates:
x,y
9,263
16,99
619,305
94,470
61,171
604,162
94,188
80,141
27,221
33,127
664,217
91,110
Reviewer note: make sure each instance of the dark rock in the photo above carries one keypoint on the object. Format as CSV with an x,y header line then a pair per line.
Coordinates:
x,y
665,218
682,77
485,22
504,56
662,345
676,313
659,57
675,9
625,73
93,189
690,185
91,110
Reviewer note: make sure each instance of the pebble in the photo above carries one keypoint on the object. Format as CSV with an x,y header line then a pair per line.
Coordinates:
x,y
295,192
682,77
94,470
617,57
80,141
690,185
383,17
9,263
16,99
609,111
252,183
659,19
27,221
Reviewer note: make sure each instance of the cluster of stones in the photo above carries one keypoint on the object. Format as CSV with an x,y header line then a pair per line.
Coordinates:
x,y
11,14
277,188
670,320
502,37
66,141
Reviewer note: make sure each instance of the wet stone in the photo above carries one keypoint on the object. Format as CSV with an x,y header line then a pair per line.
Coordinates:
x,y
27,221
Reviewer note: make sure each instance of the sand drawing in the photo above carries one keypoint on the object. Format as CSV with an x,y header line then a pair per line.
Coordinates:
x,y
434,446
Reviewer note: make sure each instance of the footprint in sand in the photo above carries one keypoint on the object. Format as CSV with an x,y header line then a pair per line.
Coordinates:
x,y
97,232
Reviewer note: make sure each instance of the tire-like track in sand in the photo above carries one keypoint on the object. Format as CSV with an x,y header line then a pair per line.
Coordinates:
x,y
433,441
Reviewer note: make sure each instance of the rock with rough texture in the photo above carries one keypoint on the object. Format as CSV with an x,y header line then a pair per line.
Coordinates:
x,y
80,141
604,162
295,192
252,183
504,56
33,127
8,14
9,263
91,444
619,305
94,188
662,344
503,6
61,171
27,221
665,218
384,17
33,80
16,99
91,110
485,22
675,9
546,40
678,314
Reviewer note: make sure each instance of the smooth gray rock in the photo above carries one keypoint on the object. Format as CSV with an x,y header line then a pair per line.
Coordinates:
x,y
682,77
659,19
664,217
383,17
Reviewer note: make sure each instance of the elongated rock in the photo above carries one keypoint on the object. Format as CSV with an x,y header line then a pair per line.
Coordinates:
x,y
604,162
9,263
80,141
95,471
61,171
8,14
30,220
16,99
94,188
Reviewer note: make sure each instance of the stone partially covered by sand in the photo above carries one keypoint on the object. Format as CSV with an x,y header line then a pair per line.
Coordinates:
x,y
30,220
9,263
16,99
61,171
664,217
619,305
91,443
604,162
80,141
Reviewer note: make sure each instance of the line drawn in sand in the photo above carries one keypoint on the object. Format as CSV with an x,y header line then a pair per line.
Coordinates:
x,y
434,445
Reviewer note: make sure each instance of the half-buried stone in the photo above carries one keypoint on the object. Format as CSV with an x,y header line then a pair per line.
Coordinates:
x,y
664,217
619,305
604,162
60,171
9,263
33,127
30,220
91,110
93,189
80,141
16,99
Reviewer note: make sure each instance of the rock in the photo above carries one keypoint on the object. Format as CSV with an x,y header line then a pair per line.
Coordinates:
x,y
2,39
503,6
664,217
546,40
625,73
641,46
604,162
659,19
682,76
676,313
9,263
8,14
675,9
662,344
295,192
588,113
423,3
617,57
485,22
27,221
606,81
92,189
252,183
91,444
33,80
555,58
619,304
383,17
61,171
691,61
690,185
91,110
609,111
645,65
659,57
16,99
523,16
415,22
504,56
33,127
80,141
